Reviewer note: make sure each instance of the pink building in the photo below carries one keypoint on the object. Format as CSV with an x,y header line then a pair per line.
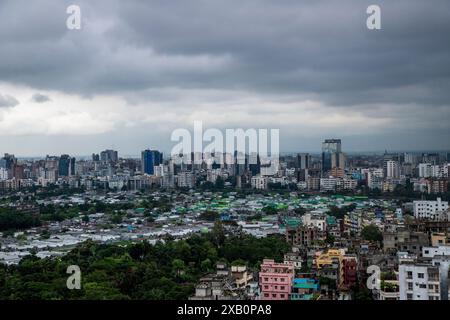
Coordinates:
x,y
275,280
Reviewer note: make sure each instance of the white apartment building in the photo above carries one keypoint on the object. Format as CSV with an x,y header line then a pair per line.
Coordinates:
x,y
161,170
410,158
168,181
425,280
431,252
424,170
375,178
259,182
392,169
419,282
346,184
425,209
328,184
427,170
3,174
313,219
185,180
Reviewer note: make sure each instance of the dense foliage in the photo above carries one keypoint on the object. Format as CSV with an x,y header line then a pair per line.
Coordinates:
x,y
10,219
340,213
371,233
135,271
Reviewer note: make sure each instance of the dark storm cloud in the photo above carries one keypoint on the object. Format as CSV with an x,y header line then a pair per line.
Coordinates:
x,y
314,48
7,101
40,98
286,49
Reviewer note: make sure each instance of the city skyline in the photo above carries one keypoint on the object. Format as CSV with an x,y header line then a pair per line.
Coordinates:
x,y
135,72
243,151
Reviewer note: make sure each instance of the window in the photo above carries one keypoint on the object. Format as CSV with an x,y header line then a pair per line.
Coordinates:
x,y
410,286
281,295
409,275
420,275
409,296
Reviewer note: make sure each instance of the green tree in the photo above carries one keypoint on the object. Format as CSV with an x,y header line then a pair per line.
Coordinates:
x,y
85,218
218,233
178,267
372,233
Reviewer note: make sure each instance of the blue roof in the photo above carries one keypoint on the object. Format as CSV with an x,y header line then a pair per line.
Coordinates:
x,y
305,283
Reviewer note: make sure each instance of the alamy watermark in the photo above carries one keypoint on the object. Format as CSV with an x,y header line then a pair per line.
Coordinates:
x,y
374,280
373,22
260,145
74,280
73,22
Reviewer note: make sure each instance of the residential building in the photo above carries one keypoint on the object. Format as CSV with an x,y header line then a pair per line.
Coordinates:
x,y
259,182
426,209
425,280
275,280
305,289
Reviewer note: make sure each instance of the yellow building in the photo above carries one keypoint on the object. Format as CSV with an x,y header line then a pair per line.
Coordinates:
x,y
329,257
438,239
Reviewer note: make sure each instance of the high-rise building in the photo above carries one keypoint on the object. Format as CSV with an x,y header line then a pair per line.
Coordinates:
x,y
332,156
389,157
303,161
432,158
410,158
9,160
18,172
3,174
109,156
150,159
338,160
64,166
185,179
254,164
392,169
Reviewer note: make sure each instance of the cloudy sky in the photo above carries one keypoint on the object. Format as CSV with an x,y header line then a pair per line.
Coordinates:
x,y
137,70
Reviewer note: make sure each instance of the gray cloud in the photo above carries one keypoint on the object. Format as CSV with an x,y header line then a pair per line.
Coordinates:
x,y
287,50
40,98
7,101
